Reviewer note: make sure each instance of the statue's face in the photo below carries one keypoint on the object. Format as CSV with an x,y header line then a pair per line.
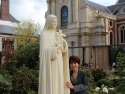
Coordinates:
x,y
53,24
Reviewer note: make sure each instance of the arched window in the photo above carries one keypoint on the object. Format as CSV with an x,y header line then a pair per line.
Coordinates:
x,y
122,34
111,38
64,16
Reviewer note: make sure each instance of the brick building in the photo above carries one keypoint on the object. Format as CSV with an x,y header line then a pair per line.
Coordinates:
x,y
7,26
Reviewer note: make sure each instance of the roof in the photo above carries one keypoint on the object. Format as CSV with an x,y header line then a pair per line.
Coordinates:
x,y
118,9
120,1
12,19
101,8
4,29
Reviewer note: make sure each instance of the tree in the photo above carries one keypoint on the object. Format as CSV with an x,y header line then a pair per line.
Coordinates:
x,y
26,32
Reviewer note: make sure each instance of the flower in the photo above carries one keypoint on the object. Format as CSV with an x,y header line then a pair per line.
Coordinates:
x,y
111,88
105,89
102,85
97,89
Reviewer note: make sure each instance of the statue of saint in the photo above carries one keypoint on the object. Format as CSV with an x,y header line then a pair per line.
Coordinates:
x,y
54,66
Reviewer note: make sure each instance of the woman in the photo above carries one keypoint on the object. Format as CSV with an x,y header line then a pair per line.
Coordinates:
x,y
78,78
54,69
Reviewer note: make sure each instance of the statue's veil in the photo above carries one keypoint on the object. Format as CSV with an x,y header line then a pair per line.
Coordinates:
x,y
49,20
45,37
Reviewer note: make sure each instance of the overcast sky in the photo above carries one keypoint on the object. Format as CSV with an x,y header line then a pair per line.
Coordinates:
x,y
35,9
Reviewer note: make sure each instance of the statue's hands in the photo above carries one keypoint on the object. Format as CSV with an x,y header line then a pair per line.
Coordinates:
x,y
69,85
59,46
63,35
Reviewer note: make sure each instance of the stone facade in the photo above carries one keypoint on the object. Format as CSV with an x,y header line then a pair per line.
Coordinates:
x,y
89,24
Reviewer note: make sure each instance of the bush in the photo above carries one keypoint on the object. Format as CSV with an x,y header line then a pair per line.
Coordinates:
x,y
25,80
115,82
98,74
121,85
120,70
121,50
120,64
113,92
5,84
103,81
91,82
20,76
28,55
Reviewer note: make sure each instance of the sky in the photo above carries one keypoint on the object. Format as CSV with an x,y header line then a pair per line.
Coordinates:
x,y
35,9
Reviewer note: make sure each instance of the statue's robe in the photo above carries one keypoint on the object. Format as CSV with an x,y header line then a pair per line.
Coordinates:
x,y
54,66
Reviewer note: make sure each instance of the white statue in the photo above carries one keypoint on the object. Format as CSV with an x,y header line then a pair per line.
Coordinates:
x,y
54,66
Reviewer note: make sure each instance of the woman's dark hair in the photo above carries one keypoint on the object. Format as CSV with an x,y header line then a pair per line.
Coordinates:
x,y
74,59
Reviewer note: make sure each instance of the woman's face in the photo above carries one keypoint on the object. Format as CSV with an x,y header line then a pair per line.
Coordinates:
x,y
53,24
74,65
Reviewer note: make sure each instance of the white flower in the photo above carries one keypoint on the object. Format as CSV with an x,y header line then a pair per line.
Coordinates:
x,y
111,88
105,90
102,85
97,89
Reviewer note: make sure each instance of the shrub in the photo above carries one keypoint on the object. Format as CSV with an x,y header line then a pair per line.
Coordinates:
x,y
115,82
121,86
24,72
98,74
120,70
91,82
121,50
28,55
103,81
25,80
5,84
120,64
113,92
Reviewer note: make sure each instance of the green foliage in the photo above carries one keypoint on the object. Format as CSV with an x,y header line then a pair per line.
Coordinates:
x,y
5,83
121,85
25,80
28,55
121,50
98,74
120,64
91,83
120,71
21,74
113,92
26,31
115,82
103,81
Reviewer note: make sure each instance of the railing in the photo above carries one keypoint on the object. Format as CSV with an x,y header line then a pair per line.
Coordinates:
x,y
101,55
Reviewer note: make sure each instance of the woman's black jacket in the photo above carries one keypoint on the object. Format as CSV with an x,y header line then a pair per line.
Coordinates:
x,y
81,79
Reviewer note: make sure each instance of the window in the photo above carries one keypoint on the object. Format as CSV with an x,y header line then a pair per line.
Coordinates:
x,y
64,16
7,41
111,24
111,38
122,34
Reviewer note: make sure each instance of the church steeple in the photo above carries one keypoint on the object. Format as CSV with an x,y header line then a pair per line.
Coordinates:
x,y
120,1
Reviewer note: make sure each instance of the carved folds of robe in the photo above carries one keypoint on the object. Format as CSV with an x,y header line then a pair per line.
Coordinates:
x,y
54,66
